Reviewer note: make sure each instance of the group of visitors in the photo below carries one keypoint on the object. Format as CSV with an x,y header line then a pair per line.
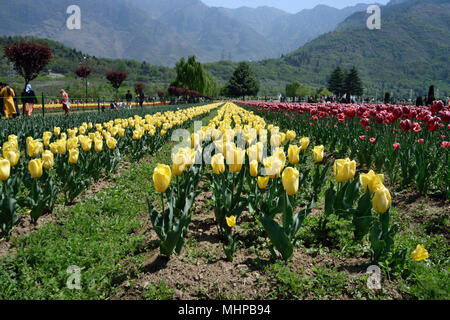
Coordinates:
x,y
9,107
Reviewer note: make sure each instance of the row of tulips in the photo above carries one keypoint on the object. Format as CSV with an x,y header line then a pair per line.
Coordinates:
x,y
247,174
68,161
400,148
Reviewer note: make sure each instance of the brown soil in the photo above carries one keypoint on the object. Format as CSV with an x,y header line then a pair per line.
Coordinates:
x,y
202,271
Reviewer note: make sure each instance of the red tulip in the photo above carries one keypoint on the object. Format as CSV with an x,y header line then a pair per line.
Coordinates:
x,y
420,141
373,140
396,145
445,144
362,137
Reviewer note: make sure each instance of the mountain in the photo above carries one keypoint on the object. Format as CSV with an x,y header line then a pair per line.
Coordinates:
x,y
410,51
118,30
162,31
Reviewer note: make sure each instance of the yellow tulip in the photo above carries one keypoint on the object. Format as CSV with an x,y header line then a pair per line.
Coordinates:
x,y
294,154
273,166
381,201
290,179
64,136
46,138
48,159
318,153
57,131
218,163
35,168
290,135
72,143
179,164
371,180
275,140
62,144
304,143
54,147
161,177
13,157
263,182
237,160
86,143
254,168
111,143
121,132
420,253
344,169
5,169
73,155
231,221
98,145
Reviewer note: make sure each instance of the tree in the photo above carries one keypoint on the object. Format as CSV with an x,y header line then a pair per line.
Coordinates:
x,y
387,98
191,75
139,88
291,89
116,78
419,101
431,97
243,82
84,72
353,84
336,83
29,58
302,92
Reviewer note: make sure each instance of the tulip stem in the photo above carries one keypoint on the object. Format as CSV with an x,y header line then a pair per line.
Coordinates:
x,y
162,201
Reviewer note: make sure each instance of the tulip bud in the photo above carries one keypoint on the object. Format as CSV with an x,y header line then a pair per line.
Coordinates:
x,y
290,179
218,163
13,157
161,177
290,135
111,143
381,201
263,182
254,168
304,143
5,169
35,168
48,159
73,155
98,145
294,154
318,153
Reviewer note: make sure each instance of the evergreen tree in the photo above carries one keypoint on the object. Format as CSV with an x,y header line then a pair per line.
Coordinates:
x,y
336,82
353,84
243,82
419,101
430,95
387,98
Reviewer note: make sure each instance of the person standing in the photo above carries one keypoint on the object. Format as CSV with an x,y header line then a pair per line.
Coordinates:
x,y
129,98
141,100
8,94
29,100
65,101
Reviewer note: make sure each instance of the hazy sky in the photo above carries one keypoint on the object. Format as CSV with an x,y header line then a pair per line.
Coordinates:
x,y
292,6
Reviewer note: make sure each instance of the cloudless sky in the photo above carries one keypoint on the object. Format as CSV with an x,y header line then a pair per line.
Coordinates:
x,y
292,6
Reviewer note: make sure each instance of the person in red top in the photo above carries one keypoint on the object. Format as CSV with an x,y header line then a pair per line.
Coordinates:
x,y
65,101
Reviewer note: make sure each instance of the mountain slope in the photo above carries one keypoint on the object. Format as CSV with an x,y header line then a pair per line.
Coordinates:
x,y
411,51
162,31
